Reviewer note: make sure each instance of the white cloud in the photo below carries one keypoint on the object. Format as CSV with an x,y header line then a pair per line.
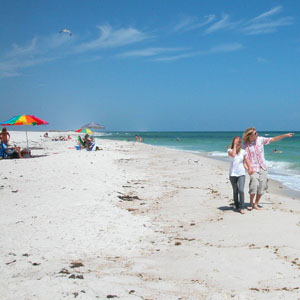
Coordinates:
x,y
267,14
223,24
265,22
110,38
191,23
175,57
55,46
149,52
12,67
261,60
225,48
29,49
214,50
267,27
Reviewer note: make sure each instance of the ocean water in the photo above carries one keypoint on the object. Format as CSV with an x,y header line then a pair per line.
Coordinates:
x,y
283,166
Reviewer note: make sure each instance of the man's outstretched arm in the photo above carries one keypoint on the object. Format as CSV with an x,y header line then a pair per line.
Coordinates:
x,y
280,137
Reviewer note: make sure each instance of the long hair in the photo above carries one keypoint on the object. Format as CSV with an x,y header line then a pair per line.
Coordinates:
x,y
233,143
3,129
247,133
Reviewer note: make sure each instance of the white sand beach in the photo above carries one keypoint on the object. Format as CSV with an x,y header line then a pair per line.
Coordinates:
x,y
134,221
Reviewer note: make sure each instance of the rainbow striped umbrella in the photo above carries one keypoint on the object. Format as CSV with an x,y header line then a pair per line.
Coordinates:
x,y
24,120
84,130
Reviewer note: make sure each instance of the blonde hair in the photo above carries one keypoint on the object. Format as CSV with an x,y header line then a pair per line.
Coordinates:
x,y
247,133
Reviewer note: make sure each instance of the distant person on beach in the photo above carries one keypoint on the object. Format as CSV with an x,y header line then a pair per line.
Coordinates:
x,y
254,147
237,172
136,138
46,135
141,139
87,141
4,136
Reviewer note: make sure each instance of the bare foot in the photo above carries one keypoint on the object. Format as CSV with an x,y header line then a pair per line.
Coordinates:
x,y
257,207
242,211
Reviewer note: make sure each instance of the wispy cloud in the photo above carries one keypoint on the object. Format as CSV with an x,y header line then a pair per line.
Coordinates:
x,y
110,38
38,51
223,24
231,47
261,60
267,14
175,57
43,49
14,67
149,52
28,49
192,23
266,23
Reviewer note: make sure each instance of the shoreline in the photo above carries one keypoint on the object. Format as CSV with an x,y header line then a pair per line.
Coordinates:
x,y
276,186
136,221
287,181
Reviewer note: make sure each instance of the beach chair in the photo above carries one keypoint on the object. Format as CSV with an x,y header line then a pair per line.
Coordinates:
x,y
81,143
92,147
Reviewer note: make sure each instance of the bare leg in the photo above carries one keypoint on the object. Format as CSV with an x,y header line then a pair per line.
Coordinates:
x,y
18,150
251,201
258,196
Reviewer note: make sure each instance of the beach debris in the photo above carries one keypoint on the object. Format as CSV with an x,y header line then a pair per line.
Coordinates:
x,y
131,291
75,294
11,262
11,253
25,254
111,296
213,191
177,243
277,289
35,264
76,264
65,30
132,209
14,191
129,198
64,271
73,276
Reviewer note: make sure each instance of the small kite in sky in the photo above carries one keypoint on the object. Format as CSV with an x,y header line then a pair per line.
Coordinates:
x,y
66,31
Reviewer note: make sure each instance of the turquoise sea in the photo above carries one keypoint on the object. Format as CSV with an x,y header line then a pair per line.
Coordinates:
x,y
283,166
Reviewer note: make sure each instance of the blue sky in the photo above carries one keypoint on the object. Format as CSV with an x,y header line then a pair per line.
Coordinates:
x,y
152,64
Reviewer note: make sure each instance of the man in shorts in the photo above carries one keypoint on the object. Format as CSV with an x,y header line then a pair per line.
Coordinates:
x,y
254,147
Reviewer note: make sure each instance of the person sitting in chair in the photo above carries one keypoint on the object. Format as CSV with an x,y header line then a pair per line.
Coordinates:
x,y
88,142
13,152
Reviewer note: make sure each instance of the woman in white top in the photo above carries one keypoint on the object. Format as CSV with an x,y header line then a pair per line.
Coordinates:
x,y
237,172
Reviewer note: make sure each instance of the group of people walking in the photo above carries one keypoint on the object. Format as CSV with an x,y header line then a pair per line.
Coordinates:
x,y
249,156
